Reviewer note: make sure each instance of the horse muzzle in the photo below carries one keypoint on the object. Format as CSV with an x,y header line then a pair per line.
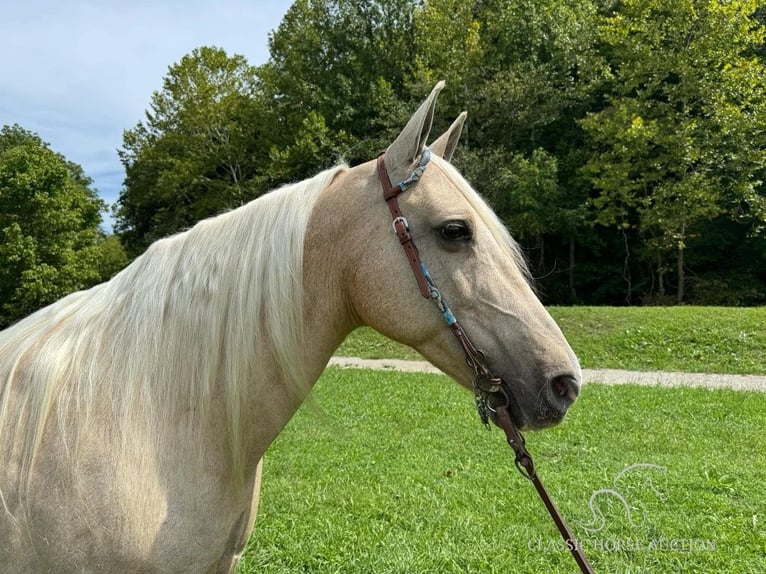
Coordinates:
x,y
548,407
555,398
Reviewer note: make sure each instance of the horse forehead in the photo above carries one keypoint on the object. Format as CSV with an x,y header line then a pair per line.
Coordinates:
x,y
440,190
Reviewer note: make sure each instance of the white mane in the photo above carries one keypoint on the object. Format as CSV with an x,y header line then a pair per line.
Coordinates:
x,y
198,309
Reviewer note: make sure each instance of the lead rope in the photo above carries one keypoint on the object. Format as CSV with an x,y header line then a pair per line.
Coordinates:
x,y
526,467
492,394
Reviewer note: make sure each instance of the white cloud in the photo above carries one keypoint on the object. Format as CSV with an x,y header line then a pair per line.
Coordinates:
x,y
80,72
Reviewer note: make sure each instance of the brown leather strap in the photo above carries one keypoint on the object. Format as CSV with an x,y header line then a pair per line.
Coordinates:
x,y
485,383
401,227
524,460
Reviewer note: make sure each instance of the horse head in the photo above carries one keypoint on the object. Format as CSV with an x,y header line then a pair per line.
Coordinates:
x,y
472,258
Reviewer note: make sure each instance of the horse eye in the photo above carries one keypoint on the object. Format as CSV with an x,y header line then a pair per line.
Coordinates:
x,y
456,231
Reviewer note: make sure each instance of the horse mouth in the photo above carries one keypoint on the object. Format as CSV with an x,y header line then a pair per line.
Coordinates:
x,y
544,416
542,423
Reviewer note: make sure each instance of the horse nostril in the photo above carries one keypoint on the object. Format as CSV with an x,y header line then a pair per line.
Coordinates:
x,y
565,388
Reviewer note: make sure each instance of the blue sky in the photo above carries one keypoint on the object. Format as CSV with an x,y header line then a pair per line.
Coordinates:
x,y
79,72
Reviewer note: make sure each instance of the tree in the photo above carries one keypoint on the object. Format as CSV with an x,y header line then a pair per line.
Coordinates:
x,y
585,117
448,39
221,132
539,67
113,257
338,77
524,70
199,152
679,141
49,218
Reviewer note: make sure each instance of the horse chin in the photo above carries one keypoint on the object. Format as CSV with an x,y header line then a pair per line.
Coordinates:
x,y
542,419
546,418
533,415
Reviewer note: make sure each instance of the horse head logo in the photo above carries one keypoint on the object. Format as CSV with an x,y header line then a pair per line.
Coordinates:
x,y
654,476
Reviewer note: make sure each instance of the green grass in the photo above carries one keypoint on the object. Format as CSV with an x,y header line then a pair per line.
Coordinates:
x,y
692,339
394,474
369,344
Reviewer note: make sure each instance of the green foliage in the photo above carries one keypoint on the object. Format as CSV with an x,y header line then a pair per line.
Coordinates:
x,y
113,257
344,65
617,140
528,191
198,151
313,144
448,37
221,132
678,142
49,218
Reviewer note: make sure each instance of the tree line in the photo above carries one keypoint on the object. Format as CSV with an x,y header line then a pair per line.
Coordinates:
x,y
50,241
622,141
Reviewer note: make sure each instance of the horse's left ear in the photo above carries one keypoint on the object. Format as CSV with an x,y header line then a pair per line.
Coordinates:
x,y
446,143
410,143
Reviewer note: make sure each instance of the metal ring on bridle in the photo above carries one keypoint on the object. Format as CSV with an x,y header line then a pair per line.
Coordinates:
x,y
500,391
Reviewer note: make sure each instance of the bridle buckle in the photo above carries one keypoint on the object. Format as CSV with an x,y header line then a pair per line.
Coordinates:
x,y
401,220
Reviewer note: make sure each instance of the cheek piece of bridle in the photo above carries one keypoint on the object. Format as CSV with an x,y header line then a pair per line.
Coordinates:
x,y
493,395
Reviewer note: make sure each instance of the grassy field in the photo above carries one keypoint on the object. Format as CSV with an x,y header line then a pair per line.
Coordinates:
x,y
692,339
393,473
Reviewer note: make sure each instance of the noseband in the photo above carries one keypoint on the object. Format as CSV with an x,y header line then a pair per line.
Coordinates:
x,y
492,394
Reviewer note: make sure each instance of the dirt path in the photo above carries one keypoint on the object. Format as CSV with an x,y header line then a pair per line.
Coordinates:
x,y
608,376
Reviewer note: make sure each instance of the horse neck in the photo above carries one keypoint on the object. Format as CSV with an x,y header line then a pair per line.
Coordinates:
x,y
327,317
328,256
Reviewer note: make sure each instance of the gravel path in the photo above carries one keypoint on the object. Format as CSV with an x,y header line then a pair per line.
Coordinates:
x,y
608,376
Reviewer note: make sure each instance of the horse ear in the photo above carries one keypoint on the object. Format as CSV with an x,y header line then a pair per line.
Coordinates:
x,y
446,143
410,143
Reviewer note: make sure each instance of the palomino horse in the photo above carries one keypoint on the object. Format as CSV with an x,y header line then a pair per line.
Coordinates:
x,y
134,415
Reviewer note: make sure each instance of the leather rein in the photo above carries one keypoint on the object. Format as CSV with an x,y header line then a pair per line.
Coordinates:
x,y
492,394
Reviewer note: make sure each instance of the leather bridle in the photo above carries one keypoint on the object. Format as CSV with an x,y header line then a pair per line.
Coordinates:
x,y
493,395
